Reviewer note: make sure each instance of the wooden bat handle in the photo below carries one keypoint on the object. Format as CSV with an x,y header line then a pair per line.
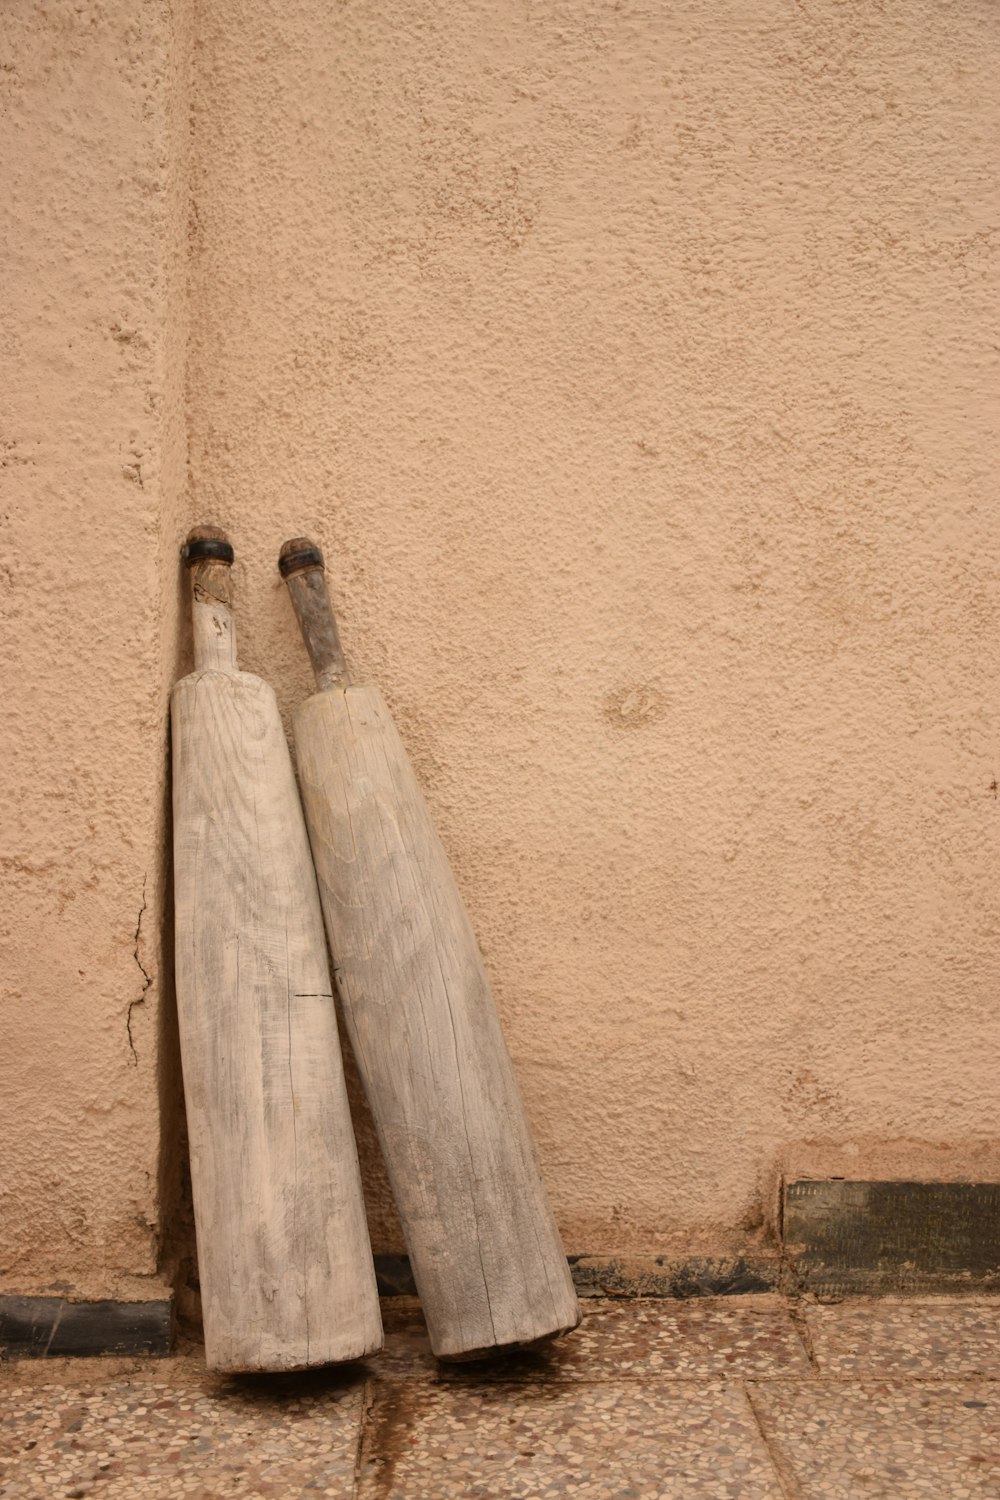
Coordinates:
x,y
208,556
301,565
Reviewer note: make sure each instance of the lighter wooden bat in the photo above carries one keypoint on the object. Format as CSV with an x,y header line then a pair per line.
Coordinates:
x,y
284,1260
484,1247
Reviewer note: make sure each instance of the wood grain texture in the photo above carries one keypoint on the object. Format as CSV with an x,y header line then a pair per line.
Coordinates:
x,y
285,1263
483,1243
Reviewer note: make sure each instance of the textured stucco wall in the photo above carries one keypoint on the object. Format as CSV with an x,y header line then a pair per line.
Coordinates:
x,y
636,367
93,126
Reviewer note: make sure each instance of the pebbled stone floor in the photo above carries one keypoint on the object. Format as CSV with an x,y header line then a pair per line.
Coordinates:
x,y
752,1398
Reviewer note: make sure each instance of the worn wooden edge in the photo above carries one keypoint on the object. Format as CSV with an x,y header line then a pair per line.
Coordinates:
x,y
36,1327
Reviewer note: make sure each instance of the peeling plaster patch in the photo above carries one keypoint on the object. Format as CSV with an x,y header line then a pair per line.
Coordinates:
x,y
634,707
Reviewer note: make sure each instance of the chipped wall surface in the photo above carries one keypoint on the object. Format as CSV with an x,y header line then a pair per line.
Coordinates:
x,y
636,368
92,456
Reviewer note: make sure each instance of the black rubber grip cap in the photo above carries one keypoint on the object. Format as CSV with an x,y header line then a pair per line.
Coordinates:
x,y
202,548
298,555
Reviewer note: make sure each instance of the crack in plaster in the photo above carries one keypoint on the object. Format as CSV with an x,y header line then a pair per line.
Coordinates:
x,y
147,978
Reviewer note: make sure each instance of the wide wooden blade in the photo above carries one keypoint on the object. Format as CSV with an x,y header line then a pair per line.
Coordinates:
x,y
483,1243
284,1259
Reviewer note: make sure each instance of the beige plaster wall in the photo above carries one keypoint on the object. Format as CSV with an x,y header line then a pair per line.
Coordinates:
x,y
93,128
636,367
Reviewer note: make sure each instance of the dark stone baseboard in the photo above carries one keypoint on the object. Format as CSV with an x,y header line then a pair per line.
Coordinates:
x,y
843,1237
663,1276
32,1327
839,1238
394,1277
630,1276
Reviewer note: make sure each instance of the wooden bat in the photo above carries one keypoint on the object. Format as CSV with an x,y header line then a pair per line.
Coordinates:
x,y
285,1265
483,1244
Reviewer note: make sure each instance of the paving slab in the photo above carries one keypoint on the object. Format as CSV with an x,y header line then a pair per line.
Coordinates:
x,y
625,1340
686,1340
930,1339
648,1400
834,1440
672,1440
406,1352
179,1432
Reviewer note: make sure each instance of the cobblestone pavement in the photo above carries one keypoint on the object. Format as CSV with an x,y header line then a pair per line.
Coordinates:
x,y
753,1398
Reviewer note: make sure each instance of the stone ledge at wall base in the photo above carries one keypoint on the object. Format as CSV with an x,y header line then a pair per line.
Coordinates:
x,y
32,1327
842,1237
632,1275
675,1277
839,1237
35,1327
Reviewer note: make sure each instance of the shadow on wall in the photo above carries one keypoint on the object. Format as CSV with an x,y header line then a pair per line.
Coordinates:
x,y
178,1254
